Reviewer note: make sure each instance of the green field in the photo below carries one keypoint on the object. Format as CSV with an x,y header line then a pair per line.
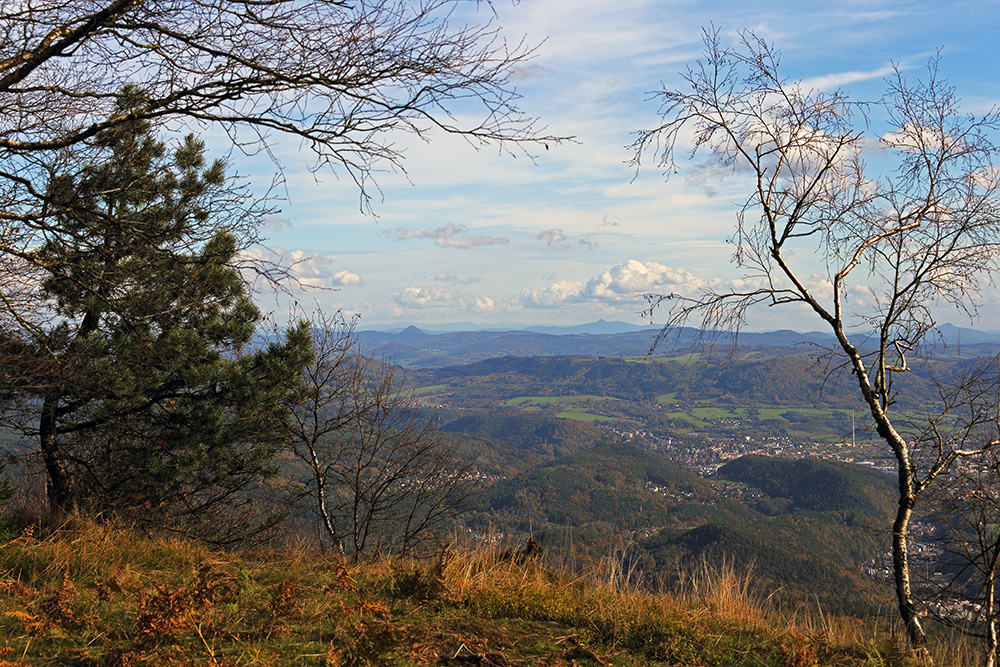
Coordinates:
x,y
819,424
430,389
686,359
550,400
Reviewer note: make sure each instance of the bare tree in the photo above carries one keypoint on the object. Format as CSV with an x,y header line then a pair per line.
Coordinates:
x,y
967,569
343,78
380,478
870,251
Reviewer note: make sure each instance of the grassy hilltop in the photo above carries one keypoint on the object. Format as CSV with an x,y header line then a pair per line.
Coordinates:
x,y
96,596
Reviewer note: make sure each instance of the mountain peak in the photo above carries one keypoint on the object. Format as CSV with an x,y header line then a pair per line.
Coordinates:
x,y
412,331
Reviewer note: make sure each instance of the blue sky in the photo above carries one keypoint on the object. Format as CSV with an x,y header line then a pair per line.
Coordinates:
x,y
575,235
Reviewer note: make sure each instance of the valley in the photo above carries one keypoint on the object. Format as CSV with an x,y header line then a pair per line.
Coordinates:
x,y
759,455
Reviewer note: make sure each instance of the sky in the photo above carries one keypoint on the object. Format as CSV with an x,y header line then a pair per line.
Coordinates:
x,y
573,233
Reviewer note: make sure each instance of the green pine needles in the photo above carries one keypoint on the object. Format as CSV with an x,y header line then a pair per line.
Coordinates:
x,y
146,401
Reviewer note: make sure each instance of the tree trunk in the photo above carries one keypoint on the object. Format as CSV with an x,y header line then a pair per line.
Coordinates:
x,y
991,626
905,501
60,494
901,566
988,612
338,546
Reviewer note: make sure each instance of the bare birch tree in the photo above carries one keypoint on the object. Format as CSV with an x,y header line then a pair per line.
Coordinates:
x,y
380,478
869,251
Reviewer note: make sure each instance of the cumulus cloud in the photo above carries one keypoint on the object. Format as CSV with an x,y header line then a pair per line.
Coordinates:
x,y
446,236
621,283
345,278
301,268
552,295
555,238
441,299
483,304
626,280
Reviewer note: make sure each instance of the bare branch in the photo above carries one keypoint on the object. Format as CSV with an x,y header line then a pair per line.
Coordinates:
x,y
924,234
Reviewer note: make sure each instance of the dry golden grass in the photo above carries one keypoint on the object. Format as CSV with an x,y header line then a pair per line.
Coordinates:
x,y
91,595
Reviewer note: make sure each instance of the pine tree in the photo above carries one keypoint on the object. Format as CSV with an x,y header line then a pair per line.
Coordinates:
x,y
148,402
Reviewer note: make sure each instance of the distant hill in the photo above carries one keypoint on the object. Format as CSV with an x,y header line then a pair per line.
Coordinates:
x,y
858,493
791,381
802,543
416,347
539,434
959,336
429,346
609,483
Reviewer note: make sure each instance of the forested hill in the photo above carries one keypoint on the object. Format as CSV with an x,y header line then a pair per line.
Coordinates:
x,y
817,485
757,378
609,483
801,526
529,432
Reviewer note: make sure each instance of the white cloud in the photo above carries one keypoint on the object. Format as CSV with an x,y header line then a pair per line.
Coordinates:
x,y
624,282
302,269
836,80
444,300
632,278
446,236
555,294
483,304
345,278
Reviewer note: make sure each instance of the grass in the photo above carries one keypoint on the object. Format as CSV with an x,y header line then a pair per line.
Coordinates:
x,y
687,359
96,596
575,414
704,416
429,389
550,400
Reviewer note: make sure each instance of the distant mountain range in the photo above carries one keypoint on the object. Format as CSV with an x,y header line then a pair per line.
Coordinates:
x,y
418,347
599,327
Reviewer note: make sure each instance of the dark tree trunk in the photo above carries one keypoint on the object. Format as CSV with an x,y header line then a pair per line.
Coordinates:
x,y
60,493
